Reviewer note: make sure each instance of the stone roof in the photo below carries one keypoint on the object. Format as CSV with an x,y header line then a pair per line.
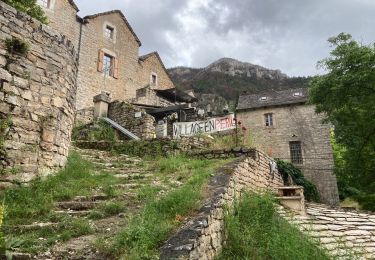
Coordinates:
x,y
122,16
273,98
73,4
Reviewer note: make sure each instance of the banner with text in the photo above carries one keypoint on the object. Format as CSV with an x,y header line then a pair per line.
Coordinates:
x,y
209,126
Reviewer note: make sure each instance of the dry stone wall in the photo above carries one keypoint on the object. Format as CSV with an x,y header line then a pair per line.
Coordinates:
x,y
133,119
37,94
62,16
203,236
84,116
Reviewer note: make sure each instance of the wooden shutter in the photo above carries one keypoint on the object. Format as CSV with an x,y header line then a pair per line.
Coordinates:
x,y
115,68
100,61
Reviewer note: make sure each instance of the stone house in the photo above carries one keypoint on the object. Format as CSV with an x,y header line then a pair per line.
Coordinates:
x,y
283,124
108,51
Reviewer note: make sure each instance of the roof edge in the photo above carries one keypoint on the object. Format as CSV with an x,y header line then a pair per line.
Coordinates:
x,y
122,16
273,105
155,53
71,2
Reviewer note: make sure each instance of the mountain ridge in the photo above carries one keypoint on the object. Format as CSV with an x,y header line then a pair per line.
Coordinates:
x,y
229,78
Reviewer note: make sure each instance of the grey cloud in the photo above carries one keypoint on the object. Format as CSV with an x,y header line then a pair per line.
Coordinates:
x,y
290,35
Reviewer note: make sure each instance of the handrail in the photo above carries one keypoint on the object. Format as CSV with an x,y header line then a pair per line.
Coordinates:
x,y
121,129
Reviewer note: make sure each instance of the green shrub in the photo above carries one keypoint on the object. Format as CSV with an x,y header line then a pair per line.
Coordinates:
x,y
105,132
255,231
288,169
29,7
97,131
367,201
17,46
2,237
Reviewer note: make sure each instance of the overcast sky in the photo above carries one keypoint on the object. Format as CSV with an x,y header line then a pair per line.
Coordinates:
x,y
290,35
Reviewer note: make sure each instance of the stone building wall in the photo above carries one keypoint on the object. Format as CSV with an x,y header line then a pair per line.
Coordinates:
x,y
124,48
37,94
88,36
153,65
148,96
297,123
124,114
62,16
84,116
203,236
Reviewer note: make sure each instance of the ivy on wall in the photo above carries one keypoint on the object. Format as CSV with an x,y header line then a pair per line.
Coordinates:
x,y
288,170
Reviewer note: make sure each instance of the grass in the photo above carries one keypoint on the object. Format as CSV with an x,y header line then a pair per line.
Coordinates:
x,y
243,138
35,203
108,209
152,213
27,204
159,217
255,231
350,202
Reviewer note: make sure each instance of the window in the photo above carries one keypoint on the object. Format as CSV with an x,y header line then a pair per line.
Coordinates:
x,y
154,78
108,65
44,3
296,152
109,32
268,118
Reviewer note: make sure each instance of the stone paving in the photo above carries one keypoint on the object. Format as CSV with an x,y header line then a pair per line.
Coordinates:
x,y
345,234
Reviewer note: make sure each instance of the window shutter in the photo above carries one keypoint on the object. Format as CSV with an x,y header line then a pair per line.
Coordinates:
x,y
115,69
100,61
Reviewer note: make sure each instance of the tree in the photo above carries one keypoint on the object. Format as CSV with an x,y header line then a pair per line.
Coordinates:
x,y
346,94
29,7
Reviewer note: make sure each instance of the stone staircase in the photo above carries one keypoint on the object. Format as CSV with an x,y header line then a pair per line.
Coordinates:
x,y
344,234
131,175
292,197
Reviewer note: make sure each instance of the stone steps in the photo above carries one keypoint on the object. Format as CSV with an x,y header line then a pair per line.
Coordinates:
x,y
341,232
73,213
32,227
77,205
130,175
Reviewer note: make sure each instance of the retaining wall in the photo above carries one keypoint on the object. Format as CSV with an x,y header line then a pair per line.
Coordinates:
x,y
123,113
37,93
203,236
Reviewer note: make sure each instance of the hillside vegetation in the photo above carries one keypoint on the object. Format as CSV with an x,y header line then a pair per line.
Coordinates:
x,y
228,78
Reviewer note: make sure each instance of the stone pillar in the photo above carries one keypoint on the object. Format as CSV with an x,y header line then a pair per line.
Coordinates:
x,y
101,103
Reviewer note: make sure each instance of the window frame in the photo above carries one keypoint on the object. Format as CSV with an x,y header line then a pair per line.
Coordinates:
x,y
109,32
296,155
154,75
44,3
107,57
107,25
269,120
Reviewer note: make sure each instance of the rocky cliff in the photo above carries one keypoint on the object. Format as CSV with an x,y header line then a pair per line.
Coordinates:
x,y
229,78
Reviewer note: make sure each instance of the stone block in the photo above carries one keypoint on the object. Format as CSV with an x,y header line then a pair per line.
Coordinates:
x,y
5,75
